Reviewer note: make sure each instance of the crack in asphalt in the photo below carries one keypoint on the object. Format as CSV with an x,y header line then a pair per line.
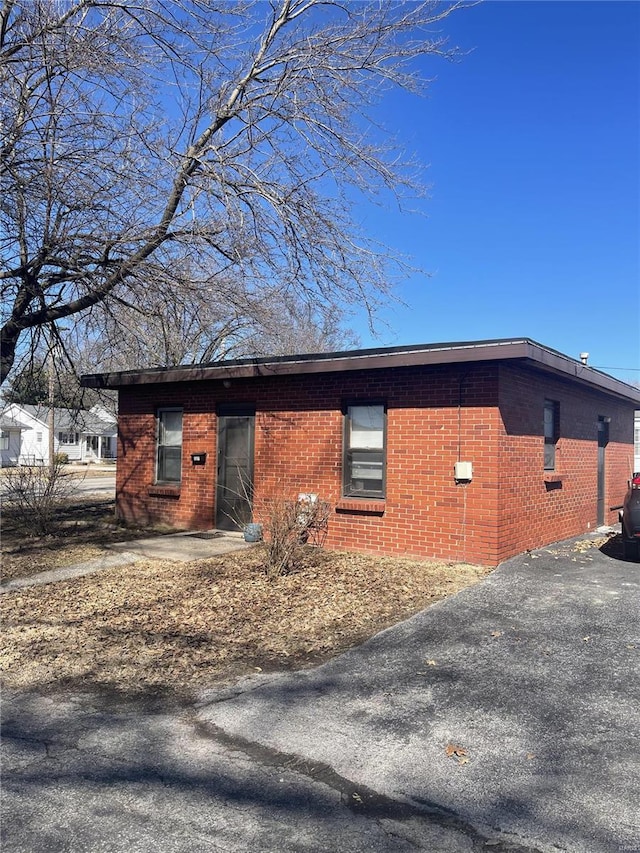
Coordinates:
x,y
359,799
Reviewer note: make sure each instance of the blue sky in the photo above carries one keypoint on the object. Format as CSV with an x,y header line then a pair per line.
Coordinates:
x,y
532,228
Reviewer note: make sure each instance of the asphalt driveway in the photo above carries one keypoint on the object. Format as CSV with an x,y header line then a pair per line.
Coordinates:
x,y
505,718
513,706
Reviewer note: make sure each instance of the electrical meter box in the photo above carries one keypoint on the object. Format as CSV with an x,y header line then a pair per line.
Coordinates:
x,y
463,471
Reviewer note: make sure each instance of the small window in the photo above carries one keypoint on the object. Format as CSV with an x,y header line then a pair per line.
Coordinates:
x,y
169,439
364,450
551,433
4,440
39,437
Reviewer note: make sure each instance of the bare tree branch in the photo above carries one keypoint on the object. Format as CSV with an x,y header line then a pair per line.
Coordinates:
x,y
232,138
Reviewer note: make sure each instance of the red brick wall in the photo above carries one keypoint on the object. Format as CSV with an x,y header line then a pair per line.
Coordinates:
x,y
435,416
537,507
189,506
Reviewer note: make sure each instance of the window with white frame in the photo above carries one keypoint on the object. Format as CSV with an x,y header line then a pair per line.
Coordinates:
x,y
68,438
169,446
551,433
4,440
364,450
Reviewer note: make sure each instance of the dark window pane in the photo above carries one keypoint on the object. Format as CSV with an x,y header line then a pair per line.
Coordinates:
x,y
551,432
365,472
549,456
169,464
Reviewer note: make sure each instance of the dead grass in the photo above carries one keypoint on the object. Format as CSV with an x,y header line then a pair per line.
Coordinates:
x,y
164,625
84,529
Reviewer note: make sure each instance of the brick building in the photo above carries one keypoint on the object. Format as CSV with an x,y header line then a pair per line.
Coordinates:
x,y
466,451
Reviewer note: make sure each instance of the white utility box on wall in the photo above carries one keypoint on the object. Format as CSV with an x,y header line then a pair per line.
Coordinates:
x,y
463,471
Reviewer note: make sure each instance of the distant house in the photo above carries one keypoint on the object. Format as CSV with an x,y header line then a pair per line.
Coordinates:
x,y
84,436
10,440
461,451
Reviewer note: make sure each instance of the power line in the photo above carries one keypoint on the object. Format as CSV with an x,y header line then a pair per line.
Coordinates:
x,y
608,367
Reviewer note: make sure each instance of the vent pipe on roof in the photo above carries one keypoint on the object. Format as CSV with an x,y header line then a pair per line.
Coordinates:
x,y
584,357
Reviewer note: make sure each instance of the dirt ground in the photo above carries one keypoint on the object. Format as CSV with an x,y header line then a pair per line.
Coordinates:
x,y
84,530
161,625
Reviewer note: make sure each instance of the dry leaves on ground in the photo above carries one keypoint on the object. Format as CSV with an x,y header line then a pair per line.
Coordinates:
x,y
160,624
84,530
461,754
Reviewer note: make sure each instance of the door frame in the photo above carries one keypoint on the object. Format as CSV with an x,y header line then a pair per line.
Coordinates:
x,y
225,413
601,491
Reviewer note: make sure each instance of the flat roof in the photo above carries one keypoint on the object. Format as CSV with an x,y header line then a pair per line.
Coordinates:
x,y
524,350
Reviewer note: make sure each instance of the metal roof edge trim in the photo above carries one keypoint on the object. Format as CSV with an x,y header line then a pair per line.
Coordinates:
x,y
523,349
298,363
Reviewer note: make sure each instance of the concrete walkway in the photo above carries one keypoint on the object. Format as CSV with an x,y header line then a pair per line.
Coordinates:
x,y
184,547
64,573
180,547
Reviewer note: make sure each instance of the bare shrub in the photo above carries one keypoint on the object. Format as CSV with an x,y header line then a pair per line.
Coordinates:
x,y
289,525
32,494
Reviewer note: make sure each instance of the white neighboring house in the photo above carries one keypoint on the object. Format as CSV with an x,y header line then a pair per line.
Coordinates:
x,y
10,440
84,436
636,442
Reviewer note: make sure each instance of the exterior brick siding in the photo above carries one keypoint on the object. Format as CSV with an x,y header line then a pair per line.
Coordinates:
x,y
490,414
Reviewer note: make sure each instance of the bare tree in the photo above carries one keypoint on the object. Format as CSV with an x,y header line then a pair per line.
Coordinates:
x,y
194,320
141,138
